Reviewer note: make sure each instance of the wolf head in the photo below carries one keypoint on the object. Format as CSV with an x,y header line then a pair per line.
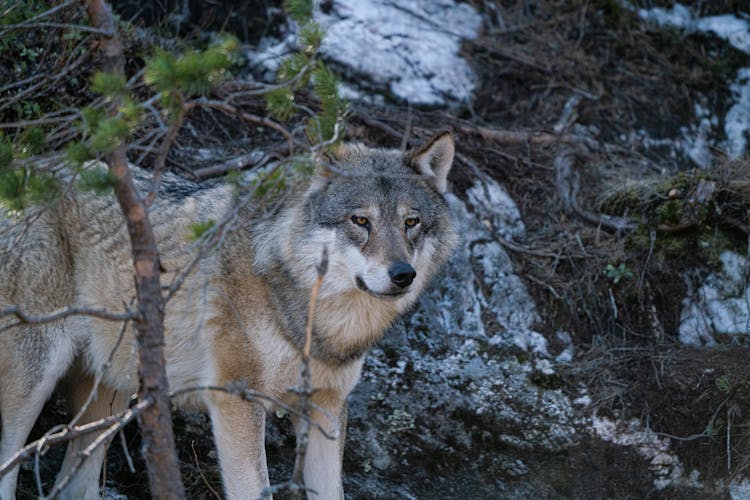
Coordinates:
x,y
382,216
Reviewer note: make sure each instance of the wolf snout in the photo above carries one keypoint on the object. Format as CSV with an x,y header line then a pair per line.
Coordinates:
x,y
402,274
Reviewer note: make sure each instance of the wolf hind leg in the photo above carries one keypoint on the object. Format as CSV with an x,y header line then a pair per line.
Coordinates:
x,y
84,483
26,386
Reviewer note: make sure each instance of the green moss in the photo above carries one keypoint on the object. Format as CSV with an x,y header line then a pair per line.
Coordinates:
x,y
711,244
545,381
670,212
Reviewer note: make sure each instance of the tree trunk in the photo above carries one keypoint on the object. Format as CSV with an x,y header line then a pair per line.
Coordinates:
x,y
155,422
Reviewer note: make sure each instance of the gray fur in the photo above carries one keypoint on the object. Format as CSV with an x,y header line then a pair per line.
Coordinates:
x,y
241,314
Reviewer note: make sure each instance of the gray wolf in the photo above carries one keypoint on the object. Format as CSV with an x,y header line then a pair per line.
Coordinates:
x,y
240,315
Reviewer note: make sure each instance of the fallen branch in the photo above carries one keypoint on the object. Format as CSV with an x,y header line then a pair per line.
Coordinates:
x,y
251,159
520,137
568,185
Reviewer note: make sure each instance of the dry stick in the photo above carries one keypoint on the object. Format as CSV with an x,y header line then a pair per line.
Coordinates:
x,y
155,421
254,159
77,27
99,441
407,131
161,158
100,375
81,411
67,434
568,184
200,472
40,121
306,391
240,390
248,117
520,137
267,89
24,318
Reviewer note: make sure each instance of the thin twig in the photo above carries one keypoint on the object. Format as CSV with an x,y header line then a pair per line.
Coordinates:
x,y
306,391
24,318
129,415
248,117
161,158
69,433
45,24
200,471
568,184
253,158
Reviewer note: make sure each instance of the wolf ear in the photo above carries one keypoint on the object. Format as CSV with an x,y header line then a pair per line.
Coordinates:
x,y
321,175
434,159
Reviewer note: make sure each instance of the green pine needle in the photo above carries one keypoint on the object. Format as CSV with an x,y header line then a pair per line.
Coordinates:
x,y
299,10
32,142
199,229
291,67
108,84
91,118
98,180
78,152
108,135
325,84
310,37
6,152
132,112
160,70
11,189
42,188
280,104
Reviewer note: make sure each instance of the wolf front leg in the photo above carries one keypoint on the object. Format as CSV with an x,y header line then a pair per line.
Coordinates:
x,y
239,432
324,457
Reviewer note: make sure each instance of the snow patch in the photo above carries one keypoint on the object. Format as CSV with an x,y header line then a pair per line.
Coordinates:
x,y
665,465
737,122
736,31
409,47
721,305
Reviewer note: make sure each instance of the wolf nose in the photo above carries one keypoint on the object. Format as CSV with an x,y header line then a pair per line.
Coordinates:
x,y
402,274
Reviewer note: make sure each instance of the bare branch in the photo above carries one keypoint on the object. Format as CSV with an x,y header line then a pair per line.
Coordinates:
x,y
161,158
248,117
522,137
85,453
24,318
250,90
68,433
78,27
252,159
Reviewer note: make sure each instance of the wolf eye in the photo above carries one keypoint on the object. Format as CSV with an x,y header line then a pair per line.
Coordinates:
x,y
411,222
360,221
